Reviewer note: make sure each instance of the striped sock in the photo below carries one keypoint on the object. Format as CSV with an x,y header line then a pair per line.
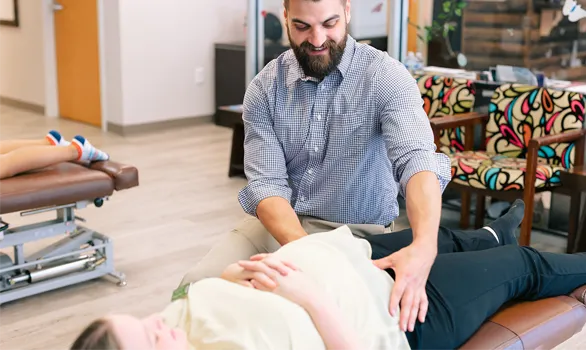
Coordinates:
x,y
87,152
55,139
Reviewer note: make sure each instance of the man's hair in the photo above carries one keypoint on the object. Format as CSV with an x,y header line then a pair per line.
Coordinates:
x,y
97,336
286,2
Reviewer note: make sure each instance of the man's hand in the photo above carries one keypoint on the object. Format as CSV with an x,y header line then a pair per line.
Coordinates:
x,y
412,265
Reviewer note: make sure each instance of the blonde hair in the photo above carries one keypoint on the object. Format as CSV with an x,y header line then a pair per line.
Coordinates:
x,y
98,335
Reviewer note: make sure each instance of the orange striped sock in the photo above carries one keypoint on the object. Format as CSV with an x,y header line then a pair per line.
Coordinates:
x,y
87,151
55,138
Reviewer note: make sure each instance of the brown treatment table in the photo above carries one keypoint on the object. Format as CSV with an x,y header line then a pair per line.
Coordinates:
x,y
541,324
81,254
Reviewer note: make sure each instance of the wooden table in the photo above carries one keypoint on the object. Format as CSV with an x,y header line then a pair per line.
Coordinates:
x,y
236,167
575,179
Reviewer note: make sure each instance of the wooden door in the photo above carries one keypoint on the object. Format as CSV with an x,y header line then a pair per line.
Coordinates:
x,y
412,30
78,65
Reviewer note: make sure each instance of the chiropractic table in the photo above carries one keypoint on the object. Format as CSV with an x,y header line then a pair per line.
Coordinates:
x,y
542,324
81,254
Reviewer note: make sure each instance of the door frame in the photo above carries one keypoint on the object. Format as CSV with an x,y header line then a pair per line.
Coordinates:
x,y
254,47
50,63
398,14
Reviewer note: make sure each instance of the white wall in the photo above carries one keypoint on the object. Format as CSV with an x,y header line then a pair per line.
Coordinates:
x,y
161,44
22,71
51,93
151,50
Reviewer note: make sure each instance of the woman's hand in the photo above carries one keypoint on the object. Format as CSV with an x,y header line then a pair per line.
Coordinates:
x,y
290,282
267,278
235,273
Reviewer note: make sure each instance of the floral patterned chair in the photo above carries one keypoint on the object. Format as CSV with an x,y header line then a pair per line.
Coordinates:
x,y
531,134
444,96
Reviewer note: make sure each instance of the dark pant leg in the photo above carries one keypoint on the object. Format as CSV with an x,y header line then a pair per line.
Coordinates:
x,y
449,241
465,289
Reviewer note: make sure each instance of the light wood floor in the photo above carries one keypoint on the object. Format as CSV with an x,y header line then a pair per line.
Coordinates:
x,y
185,203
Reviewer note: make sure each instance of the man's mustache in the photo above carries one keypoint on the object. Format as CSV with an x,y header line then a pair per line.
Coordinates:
x,y
308,46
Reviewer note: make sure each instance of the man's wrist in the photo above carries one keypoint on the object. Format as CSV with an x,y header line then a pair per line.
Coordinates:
x,y
295,236
428,244
279,218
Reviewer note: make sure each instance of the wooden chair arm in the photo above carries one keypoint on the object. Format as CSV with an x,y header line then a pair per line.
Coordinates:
x,y
458,120
568,136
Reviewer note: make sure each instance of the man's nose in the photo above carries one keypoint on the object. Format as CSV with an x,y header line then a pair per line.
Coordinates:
x,y
318,38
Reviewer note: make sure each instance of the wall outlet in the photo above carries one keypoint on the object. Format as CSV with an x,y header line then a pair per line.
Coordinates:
x,y
199,75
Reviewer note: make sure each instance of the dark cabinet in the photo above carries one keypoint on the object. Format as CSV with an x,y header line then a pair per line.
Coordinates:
x,y
230,76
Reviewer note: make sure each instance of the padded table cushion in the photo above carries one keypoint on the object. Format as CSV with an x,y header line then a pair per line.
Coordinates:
x,y
124,176
541,324
64,183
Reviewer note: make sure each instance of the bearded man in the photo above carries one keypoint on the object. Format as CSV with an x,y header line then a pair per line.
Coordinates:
x,y
335,130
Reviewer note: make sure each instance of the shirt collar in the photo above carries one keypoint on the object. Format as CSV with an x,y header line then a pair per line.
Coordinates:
x,y
296,72
346,60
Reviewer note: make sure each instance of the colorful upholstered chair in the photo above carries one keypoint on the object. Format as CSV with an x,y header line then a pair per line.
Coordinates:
x,y
518,114
531,134
458,99
432,91
443,96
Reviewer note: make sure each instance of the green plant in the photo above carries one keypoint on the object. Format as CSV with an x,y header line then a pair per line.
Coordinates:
x,y
444,24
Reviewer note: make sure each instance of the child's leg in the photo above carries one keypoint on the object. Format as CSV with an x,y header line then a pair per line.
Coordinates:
x,y
465,289
53,137
34,157
37,157
11,145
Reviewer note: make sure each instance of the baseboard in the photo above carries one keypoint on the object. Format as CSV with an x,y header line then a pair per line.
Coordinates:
x,y
126,130
31,107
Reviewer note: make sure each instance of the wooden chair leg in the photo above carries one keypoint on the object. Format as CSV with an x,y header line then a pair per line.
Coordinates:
x,y
480,208
465,212
529,193
574,222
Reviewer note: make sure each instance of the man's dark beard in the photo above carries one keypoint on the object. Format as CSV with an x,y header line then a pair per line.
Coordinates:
x,y
318,66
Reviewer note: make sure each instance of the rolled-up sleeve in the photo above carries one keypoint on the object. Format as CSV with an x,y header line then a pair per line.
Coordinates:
x,y
264,161
406,129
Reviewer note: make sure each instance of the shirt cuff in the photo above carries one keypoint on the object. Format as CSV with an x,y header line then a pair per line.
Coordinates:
x,y
437,163
256,191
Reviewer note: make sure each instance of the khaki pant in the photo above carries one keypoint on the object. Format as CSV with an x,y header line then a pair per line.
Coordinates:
x,y
251,237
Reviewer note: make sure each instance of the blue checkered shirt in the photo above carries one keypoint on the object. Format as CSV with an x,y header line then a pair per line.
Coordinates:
x,y
340,149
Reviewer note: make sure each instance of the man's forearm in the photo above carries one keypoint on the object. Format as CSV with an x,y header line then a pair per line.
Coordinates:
x,y
424,205
279,218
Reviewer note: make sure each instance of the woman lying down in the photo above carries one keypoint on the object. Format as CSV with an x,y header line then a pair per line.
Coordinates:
x,y
324,292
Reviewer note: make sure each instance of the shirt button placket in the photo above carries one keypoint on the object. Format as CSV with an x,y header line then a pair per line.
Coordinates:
x,y
318,127
316,136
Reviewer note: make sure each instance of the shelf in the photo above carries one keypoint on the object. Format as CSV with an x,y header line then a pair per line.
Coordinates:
x,y
505,33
